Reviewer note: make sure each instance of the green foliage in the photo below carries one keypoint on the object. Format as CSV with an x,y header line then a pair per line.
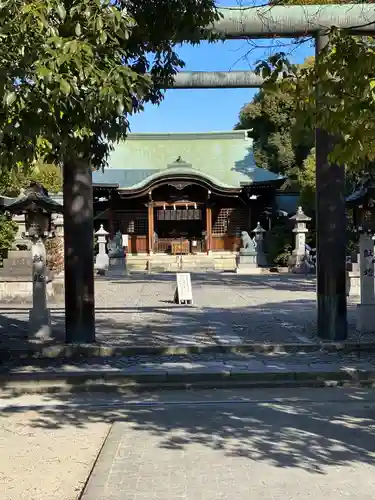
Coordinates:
x,y
344,75
280,142
49,175
13,180
278,243
305,179
73,70
307,184
8,230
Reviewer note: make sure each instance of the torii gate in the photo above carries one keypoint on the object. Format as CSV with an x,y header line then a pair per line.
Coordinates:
x,y
239,23
299,21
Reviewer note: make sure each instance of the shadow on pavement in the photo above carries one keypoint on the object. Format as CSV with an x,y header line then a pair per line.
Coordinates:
x,y
288,435
172,325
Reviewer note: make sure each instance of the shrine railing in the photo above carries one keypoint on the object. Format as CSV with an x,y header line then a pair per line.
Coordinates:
x,y
175,246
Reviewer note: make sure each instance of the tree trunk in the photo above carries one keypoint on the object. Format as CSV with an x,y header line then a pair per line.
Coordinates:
x,y
331,237
79,252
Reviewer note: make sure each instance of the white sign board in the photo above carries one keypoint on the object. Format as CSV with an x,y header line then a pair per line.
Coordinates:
x,y
184,290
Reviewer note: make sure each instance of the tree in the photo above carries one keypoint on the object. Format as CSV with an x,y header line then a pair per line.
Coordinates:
x,y
281,144
72,72
49,175
344,75
268,118
271,119
307,183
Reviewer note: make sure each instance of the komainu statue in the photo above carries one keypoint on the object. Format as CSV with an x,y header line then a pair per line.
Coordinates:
x,y
115,245
248,244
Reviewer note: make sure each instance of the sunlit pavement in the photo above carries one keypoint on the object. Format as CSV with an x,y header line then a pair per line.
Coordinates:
x,y
271,444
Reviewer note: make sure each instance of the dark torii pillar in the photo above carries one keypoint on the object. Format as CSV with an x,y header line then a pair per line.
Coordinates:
x,y
79,252
331,235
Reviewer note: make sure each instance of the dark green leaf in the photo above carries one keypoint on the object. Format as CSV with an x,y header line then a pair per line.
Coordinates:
x,y
64,86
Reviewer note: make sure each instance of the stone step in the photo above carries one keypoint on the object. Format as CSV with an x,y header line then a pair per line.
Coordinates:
x,y
125,374
169,263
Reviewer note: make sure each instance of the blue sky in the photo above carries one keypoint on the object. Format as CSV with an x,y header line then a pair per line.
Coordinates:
x,y
216,109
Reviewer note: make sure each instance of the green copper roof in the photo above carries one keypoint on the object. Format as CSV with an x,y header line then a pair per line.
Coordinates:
x,y
224,158
181,171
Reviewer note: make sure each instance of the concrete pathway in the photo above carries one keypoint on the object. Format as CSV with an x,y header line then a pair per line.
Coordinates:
x,y
259,451
209,445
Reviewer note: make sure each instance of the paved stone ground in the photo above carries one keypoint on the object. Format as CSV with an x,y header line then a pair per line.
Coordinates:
x,y
40,462
270,450
205,445
214,363
228,309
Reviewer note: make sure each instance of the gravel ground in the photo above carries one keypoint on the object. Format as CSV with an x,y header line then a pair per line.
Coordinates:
x,y
42,462
137,310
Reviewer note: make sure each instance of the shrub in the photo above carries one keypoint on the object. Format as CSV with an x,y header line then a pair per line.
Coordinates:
x,y
8,231
278,243
55,254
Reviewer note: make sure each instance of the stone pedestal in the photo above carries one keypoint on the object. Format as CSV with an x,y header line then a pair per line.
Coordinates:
x,y
116,253
118,264
39,314
246,263
366,318
366,308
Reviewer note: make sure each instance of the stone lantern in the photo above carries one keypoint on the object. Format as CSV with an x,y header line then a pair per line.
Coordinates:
x,y
258,240
37,206
300,220
362,202
102,259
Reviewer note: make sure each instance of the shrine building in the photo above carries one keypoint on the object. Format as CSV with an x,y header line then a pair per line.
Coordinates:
x,y
183,193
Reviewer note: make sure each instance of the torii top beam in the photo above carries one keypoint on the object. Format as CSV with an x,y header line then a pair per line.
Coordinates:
x,y
293,20
216,80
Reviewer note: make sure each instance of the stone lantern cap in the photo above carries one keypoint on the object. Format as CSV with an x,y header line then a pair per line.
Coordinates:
x,y
300,216
101,231
258,229
31,199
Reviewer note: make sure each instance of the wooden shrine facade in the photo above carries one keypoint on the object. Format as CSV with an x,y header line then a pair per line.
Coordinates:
x,y
179,214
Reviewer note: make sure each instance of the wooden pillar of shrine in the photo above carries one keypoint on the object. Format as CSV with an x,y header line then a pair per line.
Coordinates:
x,y
150,236
249,221
208,228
